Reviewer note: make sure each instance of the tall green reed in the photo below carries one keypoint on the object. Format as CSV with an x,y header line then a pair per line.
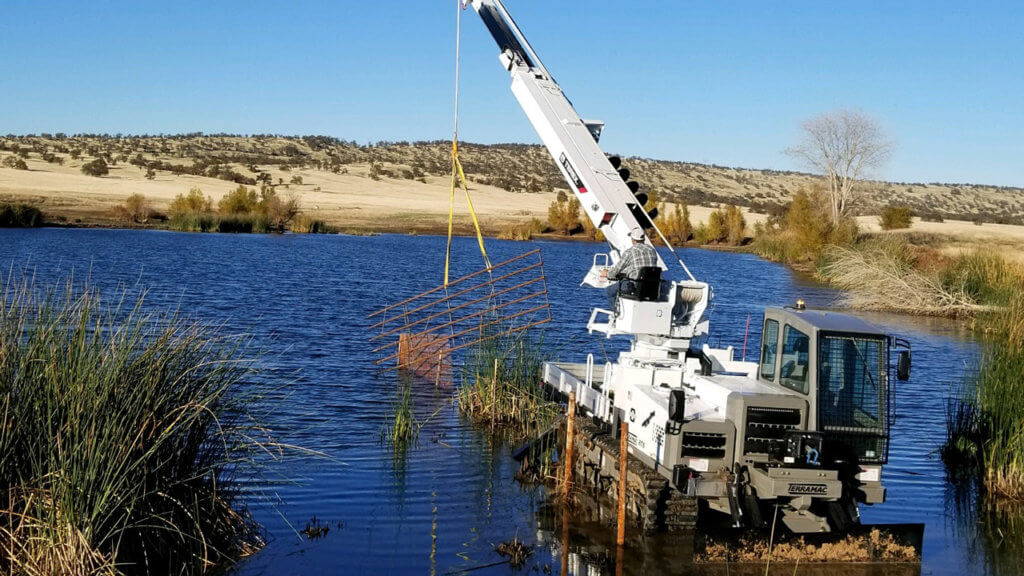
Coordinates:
x,y
121,435
985,422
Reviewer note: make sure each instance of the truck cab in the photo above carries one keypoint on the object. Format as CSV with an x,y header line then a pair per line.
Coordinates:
x,y
810,421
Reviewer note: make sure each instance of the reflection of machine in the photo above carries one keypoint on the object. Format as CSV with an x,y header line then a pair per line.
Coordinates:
x,y
807,427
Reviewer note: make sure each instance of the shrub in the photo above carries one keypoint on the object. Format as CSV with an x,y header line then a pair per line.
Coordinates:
x,y
192,203
304,224
589,229
735,225
20,216
241,200
97,167
525,230
134,209
803,231
676,224
14,162
123,433
895,217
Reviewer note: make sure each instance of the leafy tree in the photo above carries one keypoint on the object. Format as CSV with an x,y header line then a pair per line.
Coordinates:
x,y
735,225
150,174
564,214
193,203
241,200
676,224
717,230
296,179
280,211
97,167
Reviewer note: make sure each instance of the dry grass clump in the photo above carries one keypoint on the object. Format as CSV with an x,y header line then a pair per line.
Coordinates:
x,y
880,275
516,551
872,547
893,274
524,231
121,434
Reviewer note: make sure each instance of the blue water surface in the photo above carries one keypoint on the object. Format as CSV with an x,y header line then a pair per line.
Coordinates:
x,y
304,300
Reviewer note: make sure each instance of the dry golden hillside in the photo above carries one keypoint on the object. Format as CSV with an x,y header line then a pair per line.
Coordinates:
x,y
404,186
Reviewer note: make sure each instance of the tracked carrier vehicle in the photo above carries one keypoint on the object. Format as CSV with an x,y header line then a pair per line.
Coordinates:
x,y
805,428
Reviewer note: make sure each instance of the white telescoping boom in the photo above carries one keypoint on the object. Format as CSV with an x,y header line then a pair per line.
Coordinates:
x,y
603,192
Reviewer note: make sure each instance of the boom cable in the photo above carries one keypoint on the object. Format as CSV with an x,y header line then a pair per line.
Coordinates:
x,y
458,175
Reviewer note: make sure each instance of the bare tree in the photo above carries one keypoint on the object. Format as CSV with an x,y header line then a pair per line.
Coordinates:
x,y
843,146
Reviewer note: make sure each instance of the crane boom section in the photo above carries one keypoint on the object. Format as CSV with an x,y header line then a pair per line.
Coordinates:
x,y
572,142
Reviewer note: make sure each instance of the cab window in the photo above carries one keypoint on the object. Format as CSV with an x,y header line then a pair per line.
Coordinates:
x,y
795,360
769,349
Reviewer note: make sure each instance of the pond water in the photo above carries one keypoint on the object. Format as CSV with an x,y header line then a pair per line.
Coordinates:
x,y
442,509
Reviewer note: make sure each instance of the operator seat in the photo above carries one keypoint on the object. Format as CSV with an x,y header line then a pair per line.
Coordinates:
x,y
646,288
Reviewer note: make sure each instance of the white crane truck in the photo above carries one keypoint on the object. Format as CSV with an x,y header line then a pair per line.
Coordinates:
x,y
806,428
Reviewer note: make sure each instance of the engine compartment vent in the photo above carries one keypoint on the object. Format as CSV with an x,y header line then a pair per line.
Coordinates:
x,y
767,427
704,444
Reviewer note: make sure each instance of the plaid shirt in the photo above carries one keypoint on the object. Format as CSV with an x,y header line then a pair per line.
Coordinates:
x,y
636,257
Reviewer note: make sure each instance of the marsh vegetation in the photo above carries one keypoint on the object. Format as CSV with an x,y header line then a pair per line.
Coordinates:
x,y
122,433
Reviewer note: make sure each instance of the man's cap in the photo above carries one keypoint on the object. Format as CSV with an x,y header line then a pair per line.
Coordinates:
x,y
637,234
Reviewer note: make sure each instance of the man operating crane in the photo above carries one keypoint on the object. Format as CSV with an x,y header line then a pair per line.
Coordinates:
x,y
639,255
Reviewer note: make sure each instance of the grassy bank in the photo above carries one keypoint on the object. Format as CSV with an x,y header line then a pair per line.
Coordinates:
x,y
121,434
907,273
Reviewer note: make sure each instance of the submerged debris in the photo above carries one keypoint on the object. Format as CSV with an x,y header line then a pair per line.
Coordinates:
x,y
872,547
517,552
316,529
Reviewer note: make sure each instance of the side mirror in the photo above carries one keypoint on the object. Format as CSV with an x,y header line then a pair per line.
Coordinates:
x,y
677,406
903,366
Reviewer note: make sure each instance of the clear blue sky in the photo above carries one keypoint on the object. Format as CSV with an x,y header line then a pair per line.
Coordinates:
x,y
715,82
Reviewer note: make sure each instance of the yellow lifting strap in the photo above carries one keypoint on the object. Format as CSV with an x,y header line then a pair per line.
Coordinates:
x,y
458,175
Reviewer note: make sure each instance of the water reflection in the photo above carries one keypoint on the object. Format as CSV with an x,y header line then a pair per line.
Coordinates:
x,y
991,530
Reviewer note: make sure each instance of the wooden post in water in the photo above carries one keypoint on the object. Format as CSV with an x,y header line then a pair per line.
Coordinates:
x,y
494,387
403,350
623,455
437,379
570,432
